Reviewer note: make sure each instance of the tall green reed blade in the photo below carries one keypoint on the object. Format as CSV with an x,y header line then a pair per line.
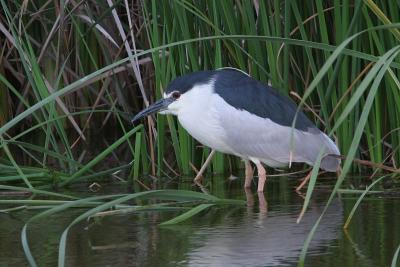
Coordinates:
x,y
184,22
286,52
162,121
160,143
360,91
381,15
100,156
390,55
218,159
24,235
57,155
268,28
189,214
35,191
195,22
25,54
248,13
136,158
90,77
310,58
159,194
324,31
353,210
31,129
175,141
395,257
144,156
231,25
43,91
325,69
4,100
375,129
311,184
120,198
161,73
194,9
11,158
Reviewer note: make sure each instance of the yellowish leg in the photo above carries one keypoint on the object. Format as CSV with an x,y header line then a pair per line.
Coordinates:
x,y
249,197
249,174
262,177
304,182
263,205
199,176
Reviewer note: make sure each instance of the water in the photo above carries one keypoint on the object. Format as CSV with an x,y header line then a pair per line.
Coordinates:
x,y
265,234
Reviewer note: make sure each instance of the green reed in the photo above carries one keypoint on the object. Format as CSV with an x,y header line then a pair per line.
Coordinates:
x,y
286,45
90,65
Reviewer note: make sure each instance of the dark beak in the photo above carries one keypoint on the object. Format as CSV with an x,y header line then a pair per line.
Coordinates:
x,y
160,105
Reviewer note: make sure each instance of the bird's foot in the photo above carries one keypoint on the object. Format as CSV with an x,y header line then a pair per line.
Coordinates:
x,y
249,197
262,202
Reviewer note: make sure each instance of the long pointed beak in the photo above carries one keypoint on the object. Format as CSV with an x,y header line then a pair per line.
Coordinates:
x,y
160,105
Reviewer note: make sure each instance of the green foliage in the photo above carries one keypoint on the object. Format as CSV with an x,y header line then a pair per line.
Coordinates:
x,y
176,198
77,68
49,77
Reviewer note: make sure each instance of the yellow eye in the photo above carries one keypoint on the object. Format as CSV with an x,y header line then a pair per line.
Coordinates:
x,y
176,95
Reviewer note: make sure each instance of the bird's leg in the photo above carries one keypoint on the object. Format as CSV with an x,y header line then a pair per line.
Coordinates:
x,y
198,177
249,197
262,203
303,182
249,174
262,176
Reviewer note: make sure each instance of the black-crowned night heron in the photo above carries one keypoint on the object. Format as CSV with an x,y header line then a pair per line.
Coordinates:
x,y
235,114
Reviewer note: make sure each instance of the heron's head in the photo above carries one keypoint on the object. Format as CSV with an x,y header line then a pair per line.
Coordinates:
x,y
176,96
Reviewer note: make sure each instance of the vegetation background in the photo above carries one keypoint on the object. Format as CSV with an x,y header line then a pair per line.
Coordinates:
x,y
72,74
71,70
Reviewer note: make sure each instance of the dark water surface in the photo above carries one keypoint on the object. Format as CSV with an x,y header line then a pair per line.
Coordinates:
x,y
262,235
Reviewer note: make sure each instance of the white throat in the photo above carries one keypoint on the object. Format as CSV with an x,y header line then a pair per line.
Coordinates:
x,y
195,101
197,112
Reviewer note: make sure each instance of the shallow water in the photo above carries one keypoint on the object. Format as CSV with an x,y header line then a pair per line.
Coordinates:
x,y
265,234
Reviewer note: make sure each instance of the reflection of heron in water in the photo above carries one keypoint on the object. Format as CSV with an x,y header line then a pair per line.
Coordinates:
x,y
262,203
255,240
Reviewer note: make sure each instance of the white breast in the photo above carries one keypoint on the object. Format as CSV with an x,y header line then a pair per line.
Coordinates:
x,y
199,117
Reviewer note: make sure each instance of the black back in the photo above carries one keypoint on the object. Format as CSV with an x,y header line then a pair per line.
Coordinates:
x,y
246,93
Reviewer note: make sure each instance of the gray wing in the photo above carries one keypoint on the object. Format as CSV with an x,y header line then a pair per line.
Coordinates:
x,y
249,135
246,93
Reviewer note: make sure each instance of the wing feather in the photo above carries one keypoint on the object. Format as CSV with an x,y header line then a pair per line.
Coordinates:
x,y
249,135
